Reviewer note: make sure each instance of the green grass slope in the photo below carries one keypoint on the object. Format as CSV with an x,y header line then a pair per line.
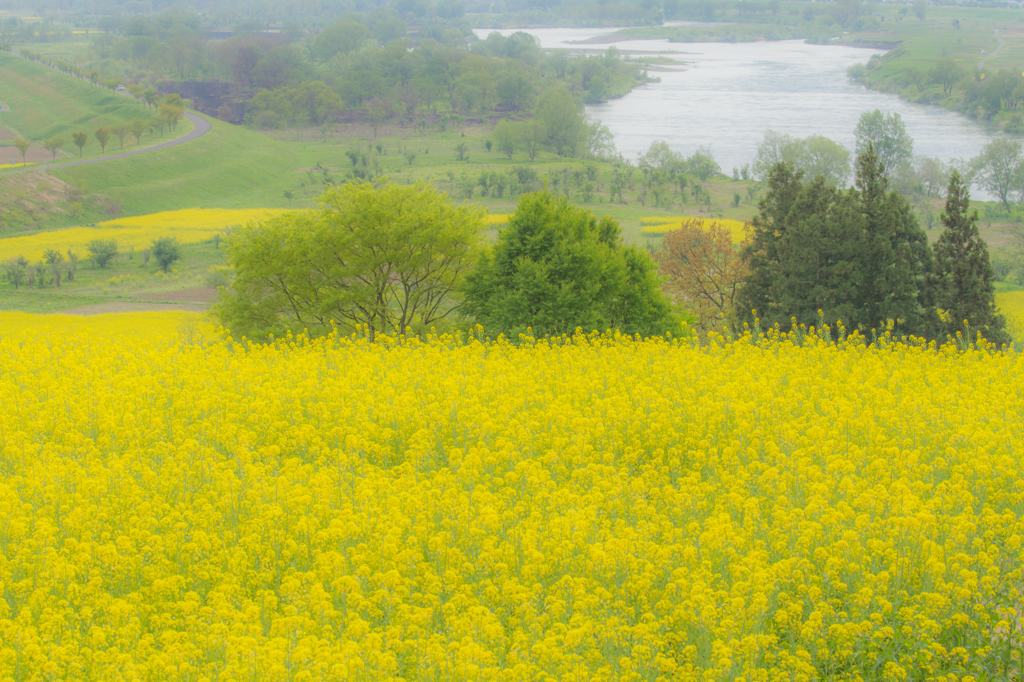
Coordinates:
x,y
229,167
46,103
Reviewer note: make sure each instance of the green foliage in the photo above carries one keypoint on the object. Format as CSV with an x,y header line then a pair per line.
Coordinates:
x,y
23,147
815,155
384,257
556,267
312,103
887,136
102,251
79,137
562,120
53,145
947,73
962,282
166,250
1000,169
859,255
103,137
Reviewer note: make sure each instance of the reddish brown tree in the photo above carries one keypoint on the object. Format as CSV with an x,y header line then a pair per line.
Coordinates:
x,y
702,271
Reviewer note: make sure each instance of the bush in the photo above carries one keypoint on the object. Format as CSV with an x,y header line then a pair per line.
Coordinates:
x,y
102,251
166,250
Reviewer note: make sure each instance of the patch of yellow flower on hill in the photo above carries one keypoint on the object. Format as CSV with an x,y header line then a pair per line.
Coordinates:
x,y
595,508
1011,305
189,226
659,226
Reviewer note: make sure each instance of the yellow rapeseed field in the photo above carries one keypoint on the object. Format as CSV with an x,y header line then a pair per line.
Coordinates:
x,y
1011,305
598,508
188,226
660,226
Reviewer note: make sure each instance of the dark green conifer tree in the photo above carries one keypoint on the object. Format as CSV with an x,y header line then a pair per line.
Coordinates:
x,y
859,256
962,280
894,253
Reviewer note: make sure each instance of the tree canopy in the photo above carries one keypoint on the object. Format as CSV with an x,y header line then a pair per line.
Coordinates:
x,y
962,280
887,136
381,256
557,267
858,255
815,155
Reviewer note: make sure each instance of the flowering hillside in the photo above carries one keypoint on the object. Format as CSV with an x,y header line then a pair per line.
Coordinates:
x,y
590,509
137,232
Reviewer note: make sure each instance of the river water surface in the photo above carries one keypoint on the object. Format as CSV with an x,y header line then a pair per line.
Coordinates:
x,y
727,94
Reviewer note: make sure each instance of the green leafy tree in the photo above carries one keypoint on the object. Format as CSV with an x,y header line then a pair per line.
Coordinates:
x,y
53,145
137,91
166,251
1000,169
22,145
79,137
137,127
562,120
383,256
102,136
557,267
15,271
340,38
55,260
378,110
102,251
515,88
531,136
887,136
506,137
121,131
317,102
827,158
947,73
703,164
962,281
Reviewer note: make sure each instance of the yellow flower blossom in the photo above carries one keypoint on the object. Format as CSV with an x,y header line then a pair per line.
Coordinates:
x,y
175,506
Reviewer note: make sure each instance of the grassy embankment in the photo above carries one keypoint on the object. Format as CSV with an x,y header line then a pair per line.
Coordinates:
x,y
44,103
964,35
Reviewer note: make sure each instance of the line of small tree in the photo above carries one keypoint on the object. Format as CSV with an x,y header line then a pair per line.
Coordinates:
x,y
54,267
171,110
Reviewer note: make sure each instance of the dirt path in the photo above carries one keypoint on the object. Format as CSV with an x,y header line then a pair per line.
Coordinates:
x,y
129,307
981,64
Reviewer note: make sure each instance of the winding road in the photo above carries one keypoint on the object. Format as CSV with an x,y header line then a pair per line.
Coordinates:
x,y
202,126
981,64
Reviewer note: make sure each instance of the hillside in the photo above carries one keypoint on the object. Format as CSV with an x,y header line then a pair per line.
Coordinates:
x,y
229,167
41,102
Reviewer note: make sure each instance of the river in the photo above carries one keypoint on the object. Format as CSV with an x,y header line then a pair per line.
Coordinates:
x,y
727,94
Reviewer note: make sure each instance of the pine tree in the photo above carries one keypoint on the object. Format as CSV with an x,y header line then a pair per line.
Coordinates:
x,y
858,256
762,254
962,280
894,254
